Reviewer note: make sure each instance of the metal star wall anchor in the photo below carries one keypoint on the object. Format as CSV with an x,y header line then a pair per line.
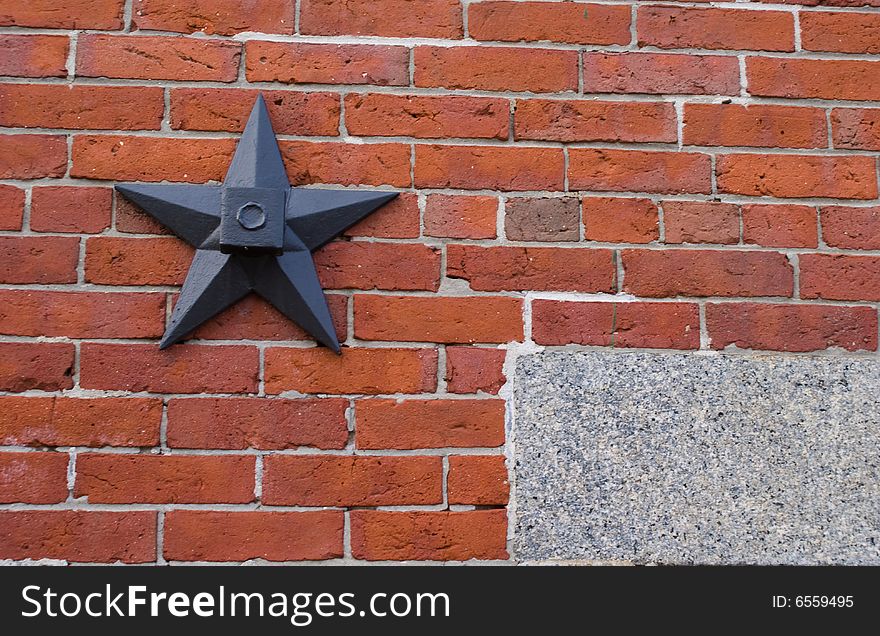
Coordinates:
x,y
253,233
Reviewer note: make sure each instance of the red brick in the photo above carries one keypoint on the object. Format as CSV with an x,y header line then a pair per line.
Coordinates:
x,y
159,479
130,218
157,58
661,73
851,228
327,480
477,480
754,125
630,324
496,68
567,22
390,18
38,259
639,171
195,535
657,274
686,28
426,116
28,312
71,14
791,327
266,424
57,421
587,120
32,156
34,478
528,268
542,219
411,424
616,220
452,216
223,17
701,222
137,261
821,79
489,168
840,32
311,63
45,366
78,536
369,371
399,218
780,225
796,176
33,55
857,128
11,207
69,209
347,164
227,110
439,536
181,369
840,277
392,266
473,369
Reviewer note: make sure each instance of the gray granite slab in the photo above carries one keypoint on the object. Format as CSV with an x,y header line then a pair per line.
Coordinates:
x,y
690,458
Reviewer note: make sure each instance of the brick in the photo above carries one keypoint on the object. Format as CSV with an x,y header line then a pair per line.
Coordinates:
x,y
587,120
857,128
754,125
532,268
391,266
112,260
390,18
780,225
791,327
438,536
327,480
73,14
820,79
426,116
223,17
701,222
11,207
71,209
240,423
38,259
661,73
399,218
181,369
33,478
840,32
628,324
699,28
347,164
57,421
32,156
464,217
669,273
473,369
617,220
28,312
795,176
840,277
308,63
489,168
158,479
566,22
33,55
542,219
496,68
639,171
477,480
123,158
227,110
131,219
412,424
438,319
369,371
157,58
79,536
195,535
851,228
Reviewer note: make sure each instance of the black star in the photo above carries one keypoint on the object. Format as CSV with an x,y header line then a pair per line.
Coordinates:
x,y
254,233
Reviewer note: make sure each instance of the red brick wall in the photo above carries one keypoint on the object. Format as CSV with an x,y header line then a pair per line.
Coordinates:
x,y
614,174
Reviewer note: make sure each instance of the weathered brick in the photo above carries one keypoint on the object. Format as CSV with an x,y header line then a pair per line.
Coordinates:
x,y
112,260
840,32
542,219
821,79
71,14
699,28
71,209
33,478
11,207
223,17
851,228
780,225
587,120
32,156
840,277
33,55
477,480
391,18
392,266
857,128
639,171
489,167
619,220
661,73
567,22
754,125
473,369
701,222
399,218
38,259
131,219
465,217
347,164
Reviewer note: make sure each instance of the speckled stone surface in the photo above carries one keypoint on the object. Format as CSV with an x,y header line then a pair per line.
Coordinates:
x,y
683,458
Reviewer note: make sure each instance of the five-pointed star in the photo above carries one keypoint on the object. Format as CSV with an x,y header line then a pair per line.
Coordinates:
x,y
254,233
